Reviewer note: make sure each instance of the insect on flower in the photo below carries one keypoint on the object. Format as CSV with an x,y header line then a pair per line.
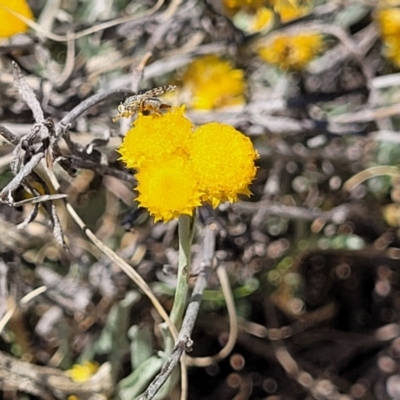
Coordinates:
x,y
144,102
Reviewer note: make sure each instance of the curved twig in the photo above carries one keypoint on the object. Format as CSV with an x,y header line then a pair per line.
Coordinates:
x,y
233,331
85,32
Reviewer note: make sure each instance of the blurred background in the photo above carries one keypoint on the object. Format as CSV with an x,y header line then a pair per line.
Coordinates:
x,y
312,256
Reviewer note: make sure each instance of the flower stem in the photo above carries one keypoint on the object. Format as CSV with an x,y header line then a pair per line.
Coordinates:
x,y
186,231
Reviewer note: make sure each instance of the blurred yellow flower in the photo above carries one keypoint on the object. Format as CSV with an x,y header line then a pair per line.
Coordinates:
x,y
156,137
391,213
213,83
11,25
223,162
250,15
263,18
244,3
289,10
292,52
168,188
392,49
389,23
83,372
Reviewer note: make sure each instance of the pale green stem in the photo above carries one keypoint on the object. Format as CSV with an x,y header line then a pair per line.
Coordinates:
x,y
186,231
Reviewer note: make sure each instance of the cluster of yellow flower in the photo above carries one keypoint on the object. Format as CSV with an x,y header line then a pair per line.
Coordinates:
x,y
257,15
389,22
11,25
288,52
179,169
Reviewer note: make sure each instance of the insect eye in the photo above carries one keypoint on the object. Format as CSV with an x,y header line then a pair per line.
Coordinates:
x,y
121,108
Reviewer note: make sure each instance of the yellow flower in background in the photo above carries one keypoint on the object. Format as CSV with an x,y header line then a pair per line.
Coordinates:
x,y
289,10
244,3
156,137
251,15
263,18
214,83
388,20
83,372
392,49
11,25
168,188
292,52
391,213
255,16
223,162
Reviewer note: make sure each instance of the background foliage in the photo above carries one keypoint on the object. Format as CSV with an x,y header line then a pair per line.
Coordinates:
x,y
312,256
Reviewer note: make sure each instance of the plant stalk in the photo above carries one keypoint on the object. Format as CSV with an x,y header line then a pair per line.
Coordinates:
x,y
186,232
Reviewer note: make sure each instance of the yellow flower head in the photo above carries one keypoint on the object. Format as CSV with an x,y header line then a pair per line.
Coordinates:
x,y
389,23
214,83
83,372
11,25
263,18
222,159
289,10
156,137
168,188
292,52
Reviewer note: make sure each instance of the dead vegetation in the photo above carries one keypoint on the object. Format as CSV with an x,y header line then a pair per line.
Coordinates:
x,y
299,283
